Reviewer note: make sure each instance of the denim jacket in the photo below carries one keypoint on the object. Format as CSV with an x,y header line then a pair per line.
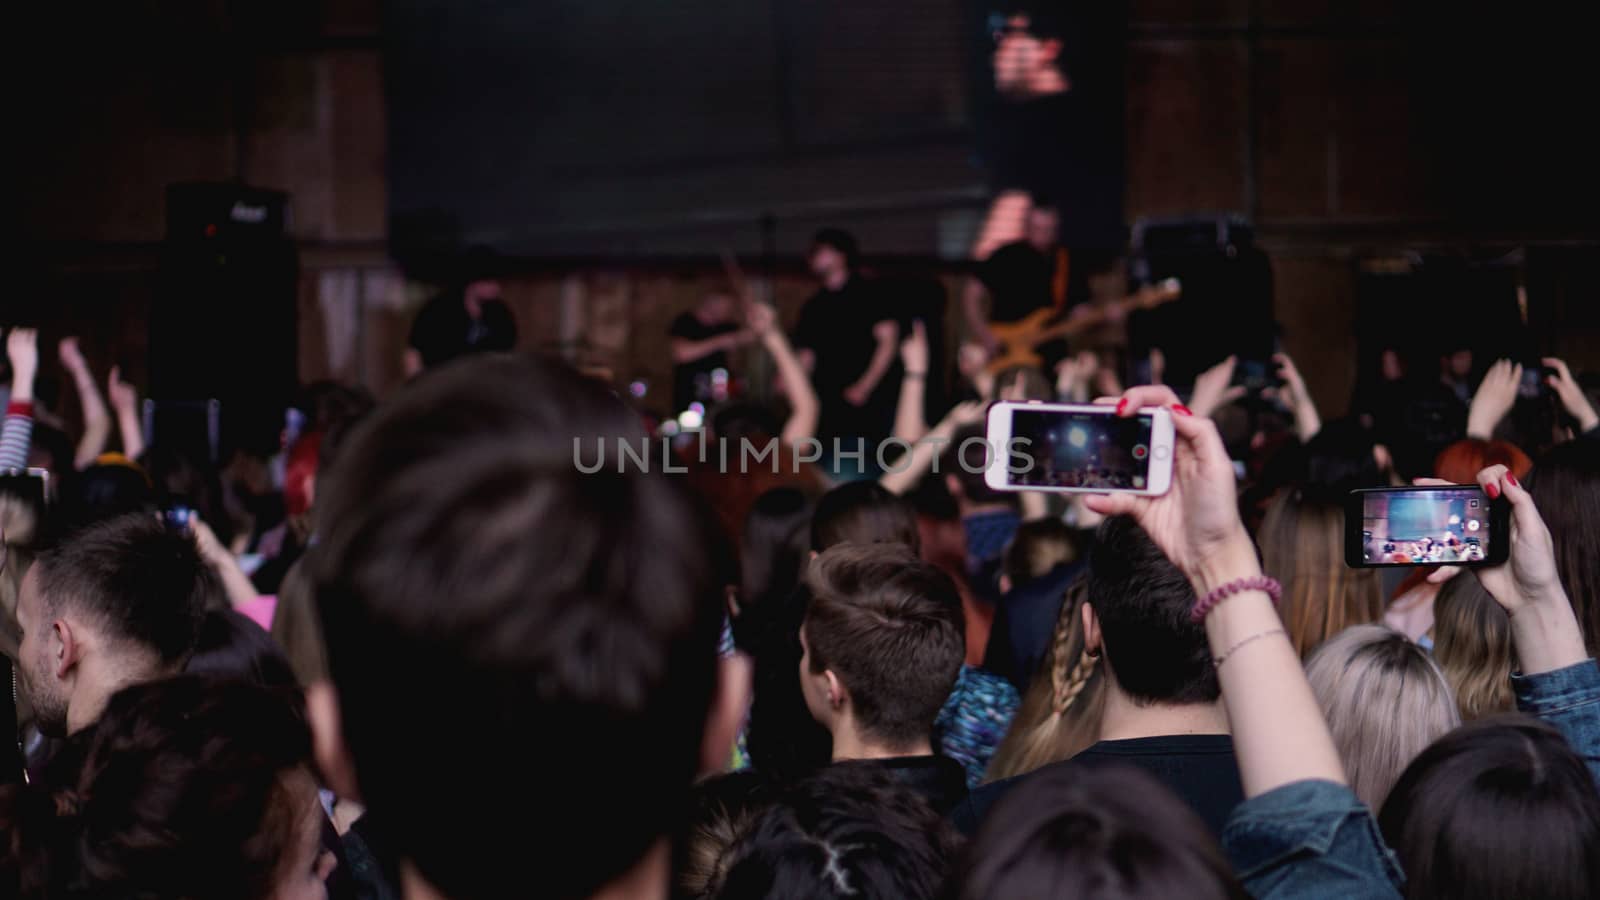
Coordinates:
x,y
1315,839
1569,699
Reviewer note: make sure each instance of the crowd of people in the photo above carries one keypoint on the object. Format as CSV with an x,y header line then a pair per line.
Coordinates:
x,y
417,650
368,665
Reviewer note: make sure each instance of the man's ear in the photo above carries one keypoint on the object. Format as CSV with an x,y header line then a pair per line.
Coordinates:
x,y
1092,641
327,740
1051,49
730,705
66,648
838,695
953,485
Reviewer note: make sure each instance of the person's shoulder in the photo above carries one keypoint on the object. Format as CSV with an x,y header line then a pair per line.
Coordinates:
x,y
984,686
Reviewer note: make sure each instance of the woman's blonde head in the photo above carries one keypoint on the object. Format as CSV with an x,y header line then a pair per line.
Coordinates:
x,y
1385,701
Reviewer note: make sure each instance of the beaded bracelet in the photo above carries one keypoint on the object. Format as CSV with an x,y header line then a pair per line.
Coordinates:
x,y
1265,583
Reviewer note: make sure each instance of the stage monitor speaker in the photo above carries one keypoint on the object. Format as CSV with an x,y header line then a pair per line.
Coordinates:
x,y
224,323
1226,305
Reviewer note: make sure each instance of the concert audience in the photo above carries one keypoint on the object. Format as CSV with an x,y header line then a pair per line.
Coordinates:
x,y
466,630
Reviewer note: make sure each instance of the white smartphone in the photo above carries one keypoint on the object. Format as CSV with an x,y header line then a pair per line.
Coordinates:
x,y
1079,449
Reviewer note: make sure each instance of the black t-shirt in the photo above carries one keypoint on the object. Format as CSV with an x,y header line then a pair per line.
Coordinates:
x,y
1019,280
836,326
1200,769
688,327
443,329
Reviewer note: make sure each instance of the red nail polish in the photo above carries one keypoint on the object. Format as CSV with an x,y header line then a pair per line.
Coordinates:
x,y
1182,410
1512,480
1122,405
1493,490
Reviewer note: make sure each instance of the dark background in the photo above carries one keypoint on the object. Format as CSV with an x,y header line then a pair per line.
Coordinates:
x,y
1368,140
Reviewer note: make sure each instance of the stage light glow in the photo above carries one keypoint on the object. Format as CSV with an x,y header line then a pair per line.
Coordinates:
x,y
1077,436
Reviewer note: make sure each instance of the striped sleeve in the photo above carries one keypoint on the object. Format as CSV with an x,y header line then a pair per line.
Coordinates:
x,y
16,436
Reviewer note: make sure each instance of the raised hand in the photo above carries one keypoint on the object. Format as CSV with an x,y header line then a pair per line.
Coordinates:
x,y
1294,385
22,349
124,397
761,318
1495,397
71,357
1530,575
1213,388
914,349
1528,585
1572,397
1196,523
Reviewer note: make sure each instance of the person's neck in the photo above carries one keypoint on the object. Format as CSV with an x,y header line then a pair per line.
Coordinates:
x,y
647,880
1125,720
98,681
850,743
835,281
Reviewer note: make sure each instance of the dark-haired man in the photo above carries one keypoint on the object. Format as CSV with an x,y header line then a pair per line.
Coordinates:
x,y
883,643
847,338
120,603
507,635
1162,711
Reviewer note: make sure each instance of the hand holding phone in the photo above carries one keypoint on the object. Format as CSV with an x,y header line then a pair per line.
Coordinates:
x,y
1078,448
1436,525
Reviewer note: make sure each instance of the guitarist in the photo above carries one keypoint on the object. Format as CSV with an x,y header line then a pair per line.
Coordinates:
x,y
1024,277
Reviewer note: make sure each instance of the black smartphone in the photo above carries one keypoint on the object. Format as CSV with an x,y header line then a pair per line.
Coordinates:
x,y
1447,525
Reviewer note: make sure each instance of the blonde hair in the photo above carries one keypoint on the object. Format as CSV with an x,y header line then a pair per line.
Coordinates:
x,y
1302,545
1385,701
1472,644
1060,713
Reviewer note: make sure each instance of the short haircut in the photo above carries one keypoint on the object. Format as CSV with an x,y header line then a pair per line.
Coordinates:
x,y
1501,807
891,627
849,831
1156,653
1074,833
863,512
967,457
1384,699
566,622
143,583
840,240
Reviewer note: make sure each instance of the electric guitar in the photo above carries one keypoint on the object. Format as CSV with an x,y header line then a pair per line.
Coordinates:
x,y
1020,340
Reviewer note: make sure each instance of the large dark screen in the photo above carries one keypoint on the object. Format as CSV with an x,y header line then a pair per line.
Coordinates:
x,y
640,127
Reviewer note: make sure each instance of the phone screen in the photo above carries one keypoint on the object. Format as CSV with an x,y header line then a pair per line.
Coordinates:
x,y
1080,450
1439,526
